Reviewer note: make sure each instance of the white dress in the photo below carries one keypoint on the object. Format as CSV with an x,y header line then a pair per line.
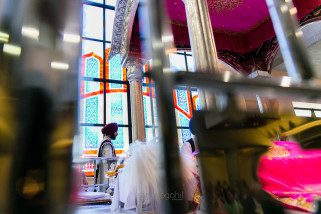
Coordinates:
x,y
138,183
189,170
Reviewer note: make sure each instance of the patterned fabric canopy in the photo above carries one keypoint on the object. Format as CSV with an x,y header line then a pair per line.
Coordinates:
x,y
238,25
241,28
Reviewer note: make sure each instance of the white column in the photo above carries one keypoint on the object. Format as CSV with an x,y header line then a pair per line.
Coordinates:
x,y
135,76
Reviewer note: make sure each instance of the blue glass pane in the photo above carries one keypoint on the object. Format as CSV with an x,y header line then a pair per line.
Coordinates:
x,y
122,139
182,100
92,22
91,103
147,110
183,120
183,135
92,67
90,136
91,113
115,68
117,107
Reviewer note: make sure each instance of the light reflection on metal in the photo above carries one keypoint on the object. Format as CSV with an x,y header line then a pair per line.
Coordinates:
x,y
59,65
259,102
30,32
72,38
4,37
293,11
12,49
155,29
306,105
299,33
226,76
284,8
286,81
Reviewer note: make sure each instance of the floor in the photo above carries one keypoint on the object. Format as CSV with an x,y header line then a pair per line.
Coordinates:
x,y
99,209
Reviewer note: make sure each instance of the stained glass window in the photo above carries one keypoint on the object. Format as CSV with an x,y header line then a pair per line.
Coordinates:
x,y
116,103
185,99
103,89
196,101
90,137
91,103
95,47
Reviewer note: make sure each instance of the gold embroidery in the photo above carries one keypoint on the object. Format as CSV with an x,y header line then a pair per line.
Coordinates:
x,y
197,195
276,151
300,202
221,6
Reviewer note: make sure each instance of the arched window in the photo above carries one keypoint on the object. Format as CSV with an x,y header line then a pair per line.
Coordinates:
x,y
103,87
185,99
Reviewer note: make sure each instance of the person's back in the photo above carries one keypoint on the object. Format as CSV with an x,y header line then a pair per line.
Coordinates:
x,y
106,150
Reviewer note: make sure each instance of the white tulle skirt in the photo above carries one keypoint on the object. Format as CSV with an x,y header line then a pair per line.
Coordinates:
x,y
138,183
189,174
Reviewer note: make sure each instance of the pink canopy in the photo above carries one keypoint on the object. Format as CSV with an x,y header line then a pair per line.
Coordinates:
x,y
291,175
243,30
238,25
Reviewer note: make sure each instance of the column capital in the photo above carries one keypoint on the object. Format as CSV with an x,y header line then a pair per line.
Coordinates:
x,y
135,69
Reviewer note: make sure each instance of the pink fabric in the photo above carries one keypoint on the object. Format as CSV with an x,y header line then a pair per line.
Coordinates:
x,y
238,25
287,171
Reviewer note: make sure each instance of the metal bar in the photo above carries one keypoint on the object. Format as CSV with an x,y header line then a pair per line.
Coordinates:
x,y
262,87
86,160
283,15
152,16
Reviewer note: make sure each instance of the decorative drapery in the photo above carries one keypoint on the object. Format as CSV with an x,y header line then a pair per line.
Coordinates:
x,y
243,31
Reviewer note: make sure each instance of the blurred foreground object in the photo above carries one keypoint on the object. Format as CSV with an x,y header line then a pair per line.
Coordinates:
x,y
300,190
40,64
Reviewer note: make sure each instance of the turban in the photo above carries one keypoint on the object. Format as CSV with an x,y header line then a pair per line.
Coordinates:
x,y
109,129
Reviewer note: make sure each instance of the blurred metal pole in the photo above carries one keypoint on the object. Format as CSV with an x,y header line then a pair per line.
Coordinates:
x,y
203,47
158,40
283,15
43,66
